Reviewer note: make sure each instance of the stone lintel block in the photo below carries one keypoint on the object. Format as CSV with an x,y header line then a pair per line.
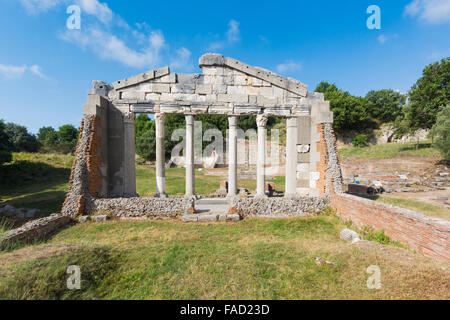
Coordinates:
x,y
211,59
143,108
168,78
302,109
160,87
263,100
279,112
246,109
171,108
91,109
220,109
162,71
325,117
203,89
219,88
134,80
243,98
199,108
190,78
183,88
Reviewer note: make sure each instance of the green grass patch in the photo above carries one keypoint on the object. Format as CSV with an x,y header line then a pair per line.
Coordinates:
x,y
252,259
389,150
415,205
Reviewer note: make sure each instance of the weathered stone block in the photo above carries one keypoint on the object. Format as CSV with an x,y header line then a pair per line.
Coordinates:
x,y
232,98
203,89
183,88
208,218
161,87
190,218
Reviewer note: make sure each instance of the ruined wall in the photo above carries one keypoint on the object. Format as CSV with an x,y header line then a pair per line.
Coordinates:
x,y
78,181
279,207
426,235
139,207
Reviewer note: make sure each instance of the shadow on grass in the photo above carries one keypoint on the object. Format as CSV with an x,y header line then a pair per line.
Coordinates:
x,y
48,202
414,146
18,175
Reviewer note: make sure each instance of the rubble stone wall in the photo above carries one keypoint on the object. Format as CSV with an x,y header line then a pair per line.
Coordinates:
x,y
279,207
139,207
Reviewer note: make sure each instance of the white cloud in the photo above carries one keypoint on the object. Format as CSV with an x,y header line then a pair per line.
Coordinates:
x,y
92,7
232,36
37,70
430,11
110,47
16,72
38,6
289,66
382,38
182,58
102,38
233,31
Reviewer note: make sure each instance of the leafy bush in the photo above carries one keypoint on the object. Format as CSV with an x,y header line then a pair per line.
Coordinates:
x,y
21,139
441,132
5,145
360,140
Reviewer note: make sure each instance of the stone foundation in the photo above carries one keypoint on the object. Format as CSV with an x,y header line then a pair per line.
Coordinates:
x,y
139,207
279,207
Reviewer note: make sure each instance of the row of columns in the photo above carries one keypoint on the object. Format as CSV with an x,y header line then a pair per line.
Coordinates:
x,y
261,121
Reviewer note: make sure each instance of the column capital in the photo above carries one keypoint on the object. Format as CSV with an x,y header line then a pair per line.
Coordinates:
x,y
160,117
232,120
261,120
189,119
129,116
291,122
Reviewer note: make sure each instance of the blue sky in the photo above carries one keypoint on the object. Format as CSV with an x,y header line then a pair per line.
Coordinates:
x,y
46,69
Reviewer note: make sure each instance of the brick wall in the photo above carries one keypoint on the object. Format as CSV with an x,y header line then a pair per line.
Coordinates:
x,y
426,235
321,166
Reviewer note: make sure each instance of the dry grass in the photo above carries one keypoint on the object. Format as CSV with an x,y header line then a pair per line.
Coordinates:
x,y
252,259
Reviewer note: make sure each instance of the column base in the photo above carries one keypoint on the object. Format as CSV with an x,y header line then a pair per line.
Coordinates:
x,y
161,195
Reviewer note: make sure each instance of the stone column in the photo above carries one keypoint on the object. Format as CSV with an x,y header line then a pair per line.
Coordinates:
x,y
261,121
129,177
291,157
232,156
189,156
160,156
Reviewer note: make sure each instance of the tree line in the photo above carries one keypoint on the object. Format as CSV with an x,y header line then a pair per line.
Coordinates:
x,y
425,106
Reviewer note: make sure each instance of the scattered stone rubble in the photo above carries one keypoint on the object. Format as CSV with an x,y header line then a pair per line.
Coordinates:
x,y
11,212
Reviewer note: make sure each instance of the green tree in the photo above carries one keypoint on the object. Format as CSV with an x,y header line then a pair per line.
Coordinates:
x,y
429,95
5,145
146,143
350,112
20,138
67,136
48,137
385,105
143,123
441,132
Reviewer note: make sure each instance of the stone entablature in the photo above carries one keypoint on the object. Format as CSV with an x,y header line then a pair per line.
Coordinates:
x,y
226,86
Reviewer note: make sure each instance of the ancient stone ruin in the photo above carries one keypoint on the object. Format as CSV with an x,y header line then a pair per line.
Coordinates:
x,y
103,177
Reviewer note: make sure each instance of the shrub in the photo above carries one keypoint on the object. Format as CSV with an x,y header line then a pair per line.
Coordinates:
x,y
360,140
441,132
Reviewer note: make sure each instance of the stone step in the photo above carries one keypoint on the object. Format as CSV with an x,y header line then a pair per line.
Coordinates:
x,y
215,217
212,201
